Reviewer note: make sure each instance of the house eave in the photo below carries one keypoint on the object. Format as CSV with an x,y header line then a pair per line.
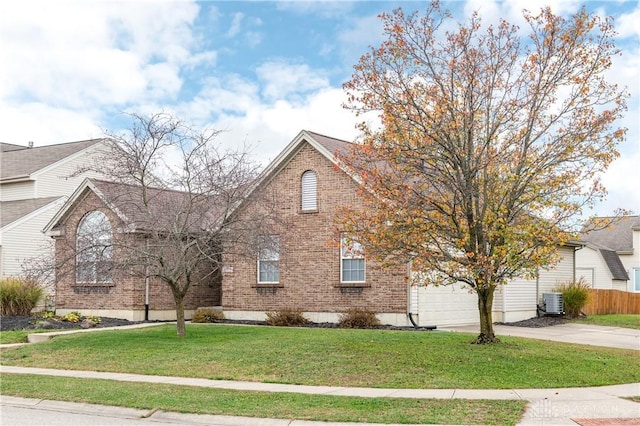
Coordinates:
x,y
17,179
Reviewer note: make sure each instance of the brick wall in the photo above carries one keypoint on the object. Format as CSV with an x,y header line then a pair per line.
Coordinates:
x,y
127,292
310,253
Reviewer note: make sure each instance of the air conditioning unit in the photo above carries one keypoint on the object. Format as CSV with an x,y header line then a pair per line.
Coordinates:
x,y
553,303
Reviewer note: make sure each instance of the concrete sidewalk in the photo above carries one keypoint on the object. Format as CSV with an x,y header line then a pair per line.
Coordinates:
x,y
546,406
583,334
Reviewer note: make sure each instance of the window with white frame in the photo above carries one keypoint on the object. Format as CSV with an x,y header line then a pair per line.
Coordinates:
x,y
309,191
352,261
269,260
94,249
636,279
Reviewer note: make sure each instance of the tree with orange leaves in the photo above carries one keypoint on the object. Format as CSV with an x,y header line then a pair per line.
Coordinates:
x,y
490,144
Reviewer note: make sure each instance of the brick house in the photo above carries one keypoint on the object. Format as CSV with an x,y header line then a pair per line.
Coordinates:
x,y
303,261
98,215
308,264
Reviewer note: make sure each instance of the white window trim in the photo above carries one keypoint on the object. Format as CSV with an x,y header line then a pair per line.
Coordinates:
x,y
276,240
351,256
635,279
93,263
308,193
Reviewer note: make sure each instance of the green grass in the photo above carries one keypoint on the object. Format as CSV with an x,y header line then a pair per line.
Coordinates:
x,y
264,404
370,358
18,336
613,320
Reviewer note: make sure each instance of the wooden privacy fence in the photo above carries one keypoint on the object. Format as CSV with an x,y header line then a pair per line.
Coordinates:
x,y
612,302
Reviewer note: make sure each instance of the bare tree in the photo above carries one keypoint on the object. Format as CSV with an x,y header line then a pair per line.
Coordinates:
x,y
175,190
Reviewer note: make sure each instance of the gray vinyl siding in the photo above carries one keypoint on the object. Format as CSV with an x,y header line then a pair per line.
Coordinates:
x,y
561,273
588,258
17,191
58,181
26,240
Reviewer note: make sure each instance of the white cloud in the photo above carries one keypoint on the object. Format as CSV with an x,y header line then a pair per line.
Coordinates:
x,y
280,79
46,125
236,23
78,55
627,24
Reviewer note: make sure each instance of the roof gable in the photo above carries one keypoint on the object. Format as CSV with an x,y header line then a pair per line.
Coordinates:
x,y
165,206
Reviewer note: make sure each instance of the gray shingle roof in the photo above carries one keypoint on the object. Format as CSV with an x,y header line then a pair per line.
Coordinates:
x,y
618,236
22,162
11,211
4,147
167,209
336,146
611,258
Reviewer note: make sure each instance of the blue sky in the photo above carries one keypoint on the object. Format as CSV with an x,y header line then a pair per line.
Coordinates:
x,y
261,71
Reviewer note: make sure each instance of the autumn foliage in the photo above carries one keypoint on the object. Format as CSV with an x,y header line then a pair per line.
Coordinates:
x,y
490,143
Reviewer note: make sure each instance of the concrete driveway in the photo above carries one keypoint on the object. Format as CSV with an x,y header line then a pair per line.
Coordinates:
x,y
584,334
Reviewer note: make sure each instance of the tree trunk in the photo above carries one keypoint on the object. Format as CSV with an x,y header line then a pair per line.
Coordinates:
x,y
181,329
485,306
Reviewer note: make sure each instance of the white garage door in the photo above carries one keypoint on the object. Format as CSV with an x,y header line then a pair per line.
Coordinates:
x,y
446,306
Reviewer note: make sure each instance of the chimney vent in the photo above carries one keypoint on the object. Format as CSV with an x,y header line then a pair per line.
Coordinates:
x,y
30,144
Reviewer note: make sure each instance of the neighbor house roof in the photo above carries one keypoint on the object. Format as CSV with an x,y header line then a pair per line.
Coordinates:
x,y
10,211
21,162
617,269
618,236
5,147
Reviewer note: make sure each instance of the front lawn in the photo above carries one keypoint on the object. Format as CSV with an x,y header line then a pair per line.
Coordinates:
x,y
337,357
612,320
189,399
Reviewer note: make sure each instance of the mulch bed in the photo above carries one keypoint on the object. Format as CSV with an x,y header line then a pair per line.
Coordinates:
x,y
537,322
34,323
8,323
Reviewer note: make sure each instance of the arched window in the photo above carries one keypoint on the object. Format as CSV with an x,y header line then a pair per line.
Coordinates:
x,y
93,249
309,191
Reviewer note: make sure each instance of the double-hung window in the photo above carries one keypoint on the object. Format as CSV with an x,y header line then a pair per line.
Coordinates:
x,y
269,260
352,261
636,279
94,249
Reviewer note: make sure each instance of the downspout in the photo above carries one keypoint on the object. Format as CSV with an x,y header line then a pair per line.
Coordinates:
x,y
409,298
538,293
146,286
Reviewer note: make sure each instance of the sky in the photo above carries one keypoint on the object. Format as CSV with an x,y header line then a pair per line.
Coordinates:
x,y
260,71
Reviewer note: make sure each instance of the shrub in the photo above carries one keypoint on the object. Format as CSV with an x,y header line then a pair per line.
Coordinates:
x,y
286,318
18,296
94,318
575,295
203,315
358,318
72,317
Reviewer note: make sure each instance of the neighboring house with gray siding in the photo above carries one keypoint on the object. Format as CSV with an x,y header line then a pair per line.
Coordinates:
x,y
611,258
34,183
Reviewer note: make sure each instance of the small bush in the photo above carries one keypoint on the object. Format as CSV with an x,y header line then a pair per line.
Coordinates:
x,y
575,295
19,296
203,315
286,318
72,317
93,318
358,318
